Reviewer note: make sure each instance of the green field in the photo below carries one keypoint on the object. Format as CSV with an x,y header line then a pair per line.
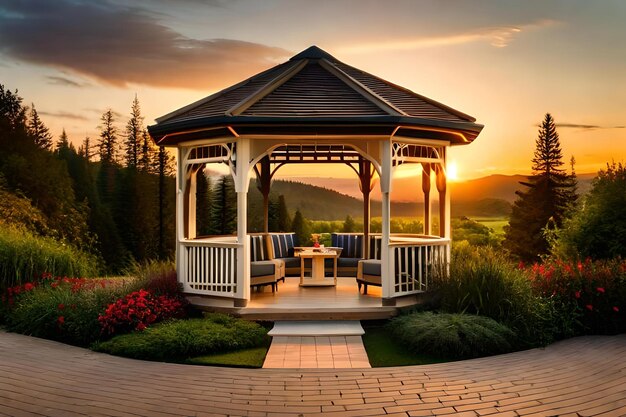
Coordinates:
x,y
495,223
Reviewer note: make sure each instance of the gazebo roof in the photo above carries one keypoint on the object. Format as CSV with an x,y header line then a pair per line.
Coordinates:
x,y
315,94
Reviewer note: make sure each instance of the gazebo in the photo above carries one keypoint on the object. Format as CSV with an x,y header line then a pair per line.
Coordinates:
x,y
310,109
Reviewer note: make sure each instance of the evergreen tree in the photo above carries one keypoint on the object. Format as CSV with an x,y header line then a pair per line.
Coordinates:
x,y
349,225
300,226
108,138
273,215
203,204
85,149
12,113
134,130
147,152
545,202
224,207
163,167
63,142
284,221
38,131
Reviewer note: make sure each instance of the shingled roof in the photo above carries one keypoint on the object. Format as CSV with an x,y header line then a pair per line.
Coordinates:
x,y
314,93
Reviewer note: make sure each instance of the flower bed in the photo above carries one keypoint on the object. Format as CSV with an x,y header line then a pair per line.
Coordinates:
x,y
589,296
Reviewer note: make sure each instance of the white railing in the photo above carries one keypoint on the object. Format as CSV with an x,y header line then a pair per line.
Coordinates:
x,y
413,261
209,267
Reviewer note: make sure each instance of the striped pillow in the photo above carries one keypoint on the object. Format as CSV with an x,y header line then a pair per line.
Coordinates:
x,y
258,252
283,245
352,244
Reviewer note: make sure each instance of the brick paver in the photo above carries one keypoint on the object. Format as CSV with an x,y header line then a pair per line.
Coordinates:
x,y
578,377
316,352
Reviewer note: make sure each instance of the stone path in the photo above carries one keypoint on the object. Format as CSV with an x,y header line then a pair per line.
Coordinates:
x,y
578,377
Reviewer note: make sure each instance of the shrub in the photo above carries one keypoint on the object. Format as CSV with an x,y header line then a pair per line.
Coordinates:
x,y
63,309
178,340
24,256
483,281
589,297
158,277
452,336
138,310
597,228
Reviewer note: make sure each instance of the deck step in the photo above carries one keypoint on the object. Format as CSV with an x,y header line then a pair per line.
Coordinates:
x,y
300,314
317,328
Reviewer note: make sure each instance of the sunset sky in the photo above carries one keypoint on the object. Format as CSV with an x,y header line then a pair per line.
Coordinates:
x,y
506,63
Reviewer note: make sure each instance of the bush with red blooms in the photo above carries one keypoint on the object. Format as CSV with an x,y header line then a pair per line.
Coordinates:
x,y
593,293
138,310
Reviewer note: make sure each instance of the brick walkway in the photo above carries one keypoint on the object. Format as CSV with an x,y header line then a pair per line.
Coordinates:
x,y
316,352
583,376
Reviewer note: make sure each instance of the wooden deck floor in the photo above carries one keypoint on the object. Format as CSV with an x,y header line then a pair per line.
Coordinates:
x,y
292,302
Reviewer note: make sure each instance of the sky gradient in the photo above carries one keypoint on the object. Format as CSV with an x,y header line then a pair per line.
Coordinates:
x,y
506,63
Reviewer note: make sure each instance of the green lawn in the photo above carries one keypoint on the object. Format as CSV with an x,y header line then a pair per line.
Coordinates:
x,y
383,351
245,358
495,223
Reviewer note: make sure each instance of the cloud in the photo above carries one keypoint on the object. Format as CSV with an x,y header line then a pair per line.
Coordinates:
x,y
64,115
53,79
119,45
499,37
584,126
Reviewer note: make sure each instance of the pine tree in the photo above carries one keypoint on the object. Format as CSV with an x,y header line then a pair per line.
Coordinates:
x,y
39,132
134,130
224,207
349,225
148,152
300,226
12,113
284,221
544,204
203,204
85,149
108,138
163,169
63,142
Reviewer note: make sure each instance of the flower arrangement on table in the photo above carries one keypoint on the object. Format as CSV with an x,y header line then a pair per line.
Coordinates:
x,y
315,237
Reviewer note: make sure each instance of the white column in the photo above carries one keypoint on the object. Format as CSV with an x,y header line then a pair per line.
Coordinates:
x,y
242,183
180,216
385,189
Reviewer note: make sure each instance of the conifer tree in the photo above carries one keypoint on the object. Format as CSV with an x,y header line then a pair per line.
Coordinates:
x,y
203,204
148,152
349,225
224,207
134,130
300,226
284,221
38,131
544,203
163,168
12,113
63,142
108,138
85,149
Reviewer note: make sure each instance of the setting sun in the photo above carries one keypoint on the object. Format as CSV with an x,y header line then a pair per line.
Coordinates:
x,y
452,171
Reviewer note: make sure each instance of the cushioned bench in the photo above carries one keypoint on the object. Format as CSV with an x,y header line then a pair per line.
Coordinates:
x,y
263,270
369,270
281,246
351,245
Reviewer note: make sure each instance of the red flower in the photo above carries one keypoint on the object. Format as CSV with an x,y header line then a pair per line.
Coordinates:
x,y
580,266
61,306
521,265
61,320
577,294
140,327
589,307
616,309
28,286
600,290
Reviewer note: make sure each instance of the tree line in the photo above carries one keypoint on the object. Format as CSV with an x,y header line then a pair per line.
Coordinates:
x,y
113,196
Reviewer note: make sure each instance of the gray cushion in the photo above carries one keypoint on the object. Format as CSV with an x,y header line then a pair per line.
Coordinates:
x,y
261,268
371,267
348,262
292,262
